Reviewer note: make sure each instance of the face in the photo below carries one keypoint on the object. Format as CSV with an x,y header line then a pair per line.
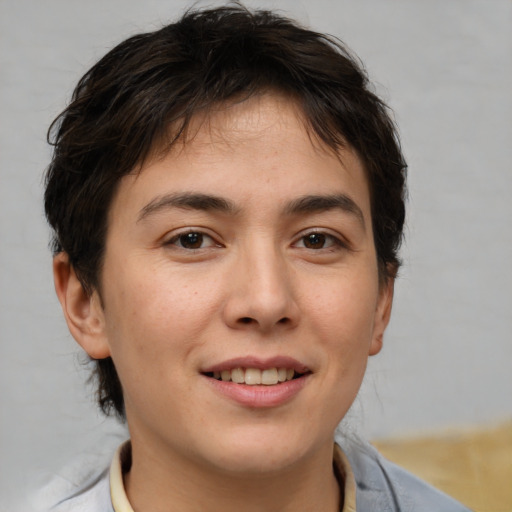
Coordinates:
x,y
240,291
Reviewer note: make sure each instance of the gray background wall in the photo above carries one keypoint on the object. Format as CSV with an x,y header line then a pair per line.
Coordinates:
x,y
445,66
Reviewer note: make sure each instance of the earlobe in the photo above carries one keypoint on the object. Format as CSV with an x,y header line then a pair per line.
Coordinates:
x,y
83,311
382,315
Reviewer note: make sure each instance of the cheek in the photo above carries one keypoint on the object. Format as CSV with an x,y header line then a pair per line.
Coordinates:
x,y
343,319
152,327
154,312
345,310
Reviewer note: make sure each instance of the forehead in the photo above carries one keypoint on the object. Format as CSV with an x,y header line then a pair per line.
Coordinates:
x,y
258,147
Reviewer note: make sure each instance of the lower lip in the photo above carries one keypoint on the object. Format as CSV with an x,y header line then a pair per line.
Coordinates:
x,y
259,396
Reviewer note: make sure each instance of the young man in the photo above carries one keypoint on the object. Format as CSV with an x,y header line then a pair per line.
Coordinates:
x,y
226,196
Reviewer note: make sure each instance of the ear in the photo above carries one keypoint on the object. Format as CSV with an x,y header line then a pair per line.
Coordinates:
x,y
83,311
382,315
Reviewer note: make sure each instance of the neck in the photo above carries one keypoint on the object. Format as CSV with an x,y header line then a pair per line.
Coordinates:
x,y
152,484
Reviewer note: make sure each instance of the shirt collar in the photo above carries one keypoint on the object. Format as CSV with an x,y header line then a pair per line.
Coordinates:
x,y
122,462
346,478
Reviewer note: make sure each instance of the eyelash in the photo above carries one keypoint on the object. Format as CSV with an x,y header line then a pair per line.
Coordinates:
x,y
333,241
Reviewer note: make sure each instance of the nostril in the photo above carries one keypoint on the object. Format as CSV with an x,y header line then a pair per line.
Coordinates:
x,y
247,320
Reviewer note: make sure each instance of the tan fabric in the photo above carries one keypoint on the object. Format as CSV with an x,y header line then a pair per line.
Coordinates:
x,y
122,461
346,478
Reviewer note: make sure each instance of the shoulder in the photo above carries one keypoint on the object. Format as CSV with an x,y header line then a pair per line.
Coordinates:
x,y
77,489
382,486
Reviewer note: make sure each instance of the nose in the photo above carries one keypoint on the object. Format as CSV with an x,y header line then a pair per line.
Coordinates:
x,y
261,293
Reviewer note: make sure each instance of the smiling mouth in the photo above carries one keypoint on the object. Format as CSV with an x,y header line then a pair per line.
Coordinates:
x,y
255,376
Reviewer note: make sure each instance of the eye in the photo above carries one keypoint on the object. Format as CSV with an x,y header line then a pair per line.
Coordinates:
x,y
318,240
192,240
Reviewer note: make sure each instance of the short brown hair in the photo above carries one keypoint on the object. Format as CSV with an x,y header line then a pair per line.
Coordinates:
x,y
128,101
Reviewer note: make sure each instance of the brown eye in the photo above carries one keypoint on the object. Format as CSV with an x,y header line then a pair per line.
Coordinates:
x,y
314,241
191,240
318,240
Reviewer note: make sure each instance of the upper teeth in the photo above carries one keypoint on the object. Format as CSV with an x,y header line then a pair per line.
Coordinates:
x,y
253,376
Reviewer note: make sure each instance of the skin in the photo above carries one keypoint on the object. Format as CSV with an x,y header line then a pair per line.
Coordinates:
x,y
255,286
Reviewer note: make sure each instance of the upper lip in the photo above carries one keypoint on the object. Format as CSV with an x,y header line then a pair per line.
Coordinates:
x,y
259,363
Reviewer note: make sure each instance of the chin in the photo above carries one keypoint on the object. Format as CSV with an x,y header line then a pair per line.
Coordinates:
x,y
261,452
256,462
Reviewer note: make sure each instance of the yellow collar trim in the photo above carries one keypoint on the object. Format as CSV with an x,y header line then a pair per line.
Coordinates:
x,y
122,460
343,469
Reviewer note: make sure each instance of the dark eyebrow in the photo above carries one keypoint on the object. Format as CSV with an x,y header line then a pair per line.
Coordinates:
x,y
189,201
317,204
